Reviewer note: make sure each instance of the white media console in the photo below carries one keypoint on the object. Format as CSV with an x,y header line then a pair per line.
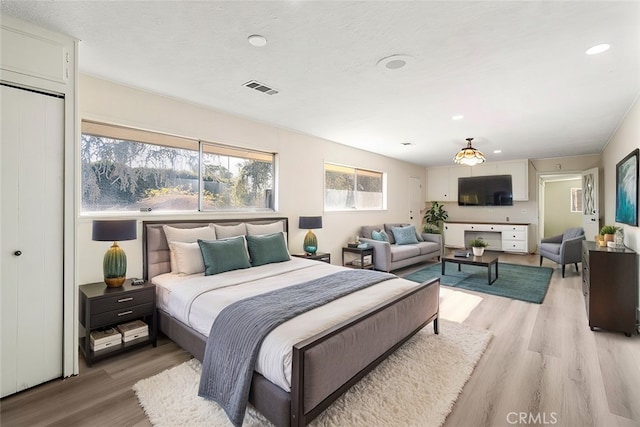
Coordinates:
x,y
505,236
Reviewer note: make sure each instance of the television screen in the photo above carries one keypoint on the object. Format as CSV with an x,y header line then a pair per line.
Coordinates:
x,y
491,190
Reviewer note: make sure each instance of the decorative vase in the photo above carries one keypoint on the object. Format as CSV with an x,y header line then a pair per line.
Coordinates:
x,y
478,251
609,237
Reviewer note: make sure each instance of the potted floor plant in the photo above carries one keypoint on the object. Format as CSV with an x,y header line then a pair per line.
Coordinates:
x,y
433,218
478,246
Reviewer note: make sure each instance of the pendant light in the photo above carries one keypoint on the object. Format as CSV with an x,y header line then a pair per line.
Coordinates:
x,y
469,156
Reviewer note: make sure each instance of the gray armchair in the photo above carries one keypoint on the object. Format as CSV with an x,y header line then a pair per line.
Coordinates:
x,y
565,248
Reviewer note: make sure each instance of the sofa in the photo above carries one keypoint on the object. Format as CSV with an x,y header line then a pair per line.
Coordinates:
x,y
391,255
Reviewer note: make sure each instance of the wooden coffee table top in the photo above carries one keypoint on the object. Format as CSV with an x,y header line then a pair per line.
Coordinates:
x,y
486,259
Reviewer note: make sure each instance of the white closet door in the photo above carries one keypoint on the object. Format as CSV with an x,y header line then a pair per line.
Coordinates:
x,y
31,238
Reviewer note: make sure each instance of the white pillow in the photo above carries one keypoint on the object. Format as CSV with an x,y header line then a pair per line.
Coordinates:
x,y
260,229
186,235
226,231
188,258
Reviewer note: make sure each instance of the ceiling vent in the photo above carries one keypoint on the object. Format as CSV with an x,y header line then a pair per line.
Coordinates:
x,y
252,84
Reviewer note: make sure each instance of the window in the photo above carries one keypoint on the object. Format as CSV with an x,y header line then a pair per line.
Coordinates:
x,y
125,169
576,200
348,188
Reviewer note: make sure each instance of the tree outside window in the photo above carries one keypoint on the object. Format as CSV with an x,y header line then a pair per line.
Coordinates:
x,y
349,188
124,170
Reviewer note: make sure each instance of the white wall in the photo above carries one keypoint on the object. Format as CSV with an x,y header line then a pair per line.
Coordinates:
x,y
625,140
300,181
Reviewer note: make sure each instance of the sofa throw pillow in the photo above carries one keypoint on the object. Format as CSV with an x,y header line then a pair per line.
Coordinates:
x,y
389,229
419,237
405,235
224,255
381,235
267,248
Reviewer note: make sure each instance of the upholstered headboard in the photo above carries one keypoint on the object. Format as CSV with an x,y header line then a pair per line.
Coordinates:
x,y
155,250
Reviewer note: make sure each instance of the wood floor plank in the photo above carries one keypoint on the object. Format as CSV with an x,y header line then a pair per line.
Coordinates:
x,y
542,360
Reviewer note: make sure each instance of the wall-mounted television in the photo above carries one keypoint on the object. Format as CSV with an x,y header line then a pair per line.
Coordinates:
x,y
490,190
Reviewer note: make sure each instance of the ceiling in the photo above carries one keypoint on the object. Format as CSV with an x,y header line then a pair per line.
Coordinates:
x,y
517,71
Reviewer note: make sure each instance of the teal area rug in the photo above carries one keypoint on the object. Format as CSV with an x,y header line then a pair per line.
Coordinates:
x,y
521,282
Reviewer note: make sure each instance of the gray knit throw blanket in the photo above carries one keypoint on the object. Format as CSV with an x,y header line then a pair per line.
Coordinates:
x,y
240,328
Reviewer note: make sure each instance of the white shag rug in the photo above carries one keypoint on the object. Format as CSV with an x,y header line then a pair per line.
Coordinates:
x,y
416,386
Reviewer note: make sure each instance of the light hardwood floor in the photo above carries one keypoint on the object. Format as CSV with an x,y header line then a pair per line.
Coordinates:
x,y
543,366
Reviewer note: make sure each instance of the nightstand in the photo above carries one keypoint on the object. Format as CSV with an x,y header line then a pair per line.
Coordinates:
x,y
358,262
318,256
104,307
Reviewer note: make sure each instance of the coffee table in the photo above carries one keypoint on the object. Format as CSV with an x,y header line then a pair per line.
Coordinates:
x,y
486,260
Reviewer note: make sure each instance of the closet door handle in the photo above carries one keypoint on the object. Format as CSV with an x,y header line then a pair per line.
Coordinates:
x,y
17,253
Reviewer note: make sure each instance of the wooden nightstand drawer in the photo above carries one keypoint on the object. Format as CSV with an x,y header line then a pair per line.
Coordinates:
x,y
122,315
119,302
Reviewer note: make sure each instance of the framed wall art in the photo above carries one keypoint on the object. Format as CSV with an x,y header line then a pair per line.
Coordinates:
x,y
627,189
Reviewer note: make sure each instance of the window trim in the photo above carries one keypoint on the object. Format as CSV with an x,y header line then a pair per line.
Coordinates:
x,y
365,171
150,137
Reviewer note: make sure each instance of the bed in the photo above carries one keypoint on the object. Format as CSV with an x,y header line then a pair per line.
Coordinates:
x,y
327,360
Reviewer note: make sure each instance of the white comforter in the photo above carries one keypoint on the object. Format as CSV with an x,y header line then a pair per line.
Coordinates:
x,y
196,300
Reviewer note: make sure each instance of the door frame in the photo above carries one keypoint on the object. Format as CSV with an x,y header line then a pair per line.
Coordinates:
x,y
67,87
542,177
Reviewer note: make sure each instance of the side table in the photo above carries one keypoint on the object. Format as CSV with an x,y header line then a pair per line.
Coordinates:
x,y
358,263
318,256
104,307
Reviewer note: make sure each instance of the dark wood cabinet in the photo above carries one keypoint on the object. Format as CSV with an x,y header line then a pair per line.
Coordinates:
x,y
103,307
610,286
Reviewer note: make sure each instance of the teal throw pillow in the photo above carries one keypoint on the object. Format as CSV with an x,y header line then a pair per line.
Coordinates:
x,y
405,235
223,255
267,248
380,235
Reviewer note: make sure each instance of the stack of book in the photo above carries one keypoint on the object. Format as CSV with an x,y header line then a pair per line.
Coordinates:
x,y
133,330
101,339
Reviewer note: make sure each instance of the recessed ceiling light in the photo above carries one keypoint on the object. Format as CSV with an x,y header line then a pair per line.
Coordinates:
x,y
257,40
457,117
497,151
597,49
393,62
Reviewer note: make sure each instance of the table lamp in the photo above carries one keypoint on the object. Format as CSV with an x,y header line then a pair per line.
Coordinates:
x,y
114,264
310,239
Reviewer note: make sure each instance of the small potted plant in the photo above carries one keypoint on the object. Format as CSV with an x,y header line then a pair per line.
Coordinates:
x,y
609,231
478,246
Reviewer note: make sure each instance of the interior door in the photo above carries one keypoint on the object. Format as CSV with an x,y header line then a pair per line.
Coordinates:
x,y
590,203
416,202
31,238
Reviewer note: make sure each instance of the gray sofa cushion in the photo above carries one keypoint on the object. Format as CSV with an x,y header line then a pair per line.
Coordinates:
x,y
365,230
403,252
428,247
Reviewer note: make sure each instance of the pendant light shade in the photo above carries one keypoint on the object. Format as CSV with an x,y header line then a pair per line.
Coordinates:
x,y
469,156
